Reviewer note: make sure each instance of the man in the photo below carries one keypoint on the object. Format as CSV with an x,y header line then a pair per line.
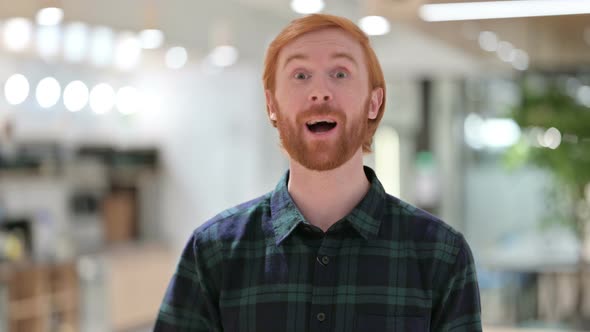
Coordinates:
x,y
328,249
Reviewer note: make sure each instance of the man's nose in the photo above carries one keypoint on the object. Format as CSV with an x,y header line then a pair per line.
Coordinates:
x,y
320,97
320,93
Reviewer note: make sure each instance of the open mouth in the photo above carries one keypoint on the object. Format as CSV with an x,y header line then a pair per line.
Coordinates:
x,y
320,126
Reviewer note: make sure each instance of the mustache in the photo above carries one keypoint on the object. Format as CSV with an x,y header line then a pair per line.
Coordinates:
x,y
321,110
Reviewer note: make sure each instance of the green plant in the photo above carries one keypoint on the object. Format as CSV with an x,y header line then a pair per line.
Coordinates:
x,y
544,106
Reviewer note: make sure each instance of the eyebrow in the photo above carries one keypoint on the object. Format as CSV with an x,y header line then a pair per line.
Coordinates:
x,y
337,55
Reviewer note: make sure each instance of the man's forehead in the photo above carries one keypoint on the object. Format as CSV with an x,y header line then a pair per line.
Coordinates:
x,y
337,40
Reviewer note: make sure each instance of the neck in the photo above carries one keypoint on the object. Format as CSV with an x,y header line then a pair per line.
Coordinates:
x,y
327,196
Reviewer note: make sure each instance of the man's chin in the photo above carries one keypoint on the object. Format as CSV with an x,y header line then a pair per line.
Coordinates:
x,y
321,162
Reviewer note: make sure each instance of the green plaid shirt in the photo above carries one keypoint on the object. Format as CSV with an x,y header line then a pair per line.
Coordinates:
x,y
260,266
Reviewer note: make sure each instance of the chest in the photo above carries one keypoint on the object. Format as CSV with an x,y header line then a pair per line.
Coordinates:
x,y
346,285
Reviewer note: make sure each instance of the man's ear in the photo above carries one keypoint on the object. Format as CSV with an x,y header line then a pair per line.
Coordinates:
x,y
270,106
375,102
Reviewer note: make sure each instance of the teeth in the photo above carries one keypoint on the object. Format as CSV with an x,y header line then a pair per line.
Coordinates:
x,y
317,121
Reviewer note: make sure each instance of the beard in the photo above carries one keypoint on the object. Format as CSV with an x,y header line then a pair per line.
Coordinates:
x,y
327,154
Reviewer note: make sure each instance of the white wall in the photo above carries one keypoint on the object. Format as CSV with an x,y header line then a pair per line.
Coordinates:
x,y
219,148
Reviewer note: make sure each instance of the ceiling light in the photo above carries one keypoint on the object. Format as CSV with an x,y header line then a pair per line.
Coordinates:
x,y
102,98
501,9
17,33
75,96
307,6
176,57
488,41
128,51
49,16
374,25
224,56
505,51
127,100
48,41
48,92
75,41
520,60
101,46
16,89
151,38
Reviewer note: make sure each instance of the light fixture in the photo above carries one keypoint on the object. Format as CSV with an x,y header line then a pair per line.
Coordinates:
x,y
16,89
493,133
49,16
127,51
102,98
501,9
374,25
151,38
224,56
101,46
520,60
48,92
488,41
505,51
127,100
75,41
75,96
17,33
176,57
48,41
307,6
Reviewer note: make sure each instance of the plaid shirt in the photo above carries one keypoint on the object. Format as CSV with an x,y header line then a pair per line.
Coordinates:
x,y
261,266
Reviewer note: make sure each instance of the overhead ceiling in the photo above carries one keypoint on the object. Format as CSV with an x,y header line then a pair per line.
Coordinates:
x,y
553,43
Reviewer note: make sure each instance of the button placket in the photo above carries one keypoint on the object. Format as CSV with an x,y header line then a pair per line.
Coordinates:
x,y
324,282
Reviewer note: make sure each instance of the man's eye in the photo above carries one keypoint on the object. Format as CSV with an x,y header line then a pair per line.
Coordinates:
x,y
301,76
341,74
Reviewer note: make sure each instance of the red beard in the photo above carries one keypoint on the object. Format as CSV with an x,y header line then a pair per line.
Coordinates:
x,y
322,155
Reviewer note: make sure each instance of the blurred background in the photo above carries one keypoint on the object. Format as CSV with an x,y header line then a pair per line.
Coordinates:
x,y
124,125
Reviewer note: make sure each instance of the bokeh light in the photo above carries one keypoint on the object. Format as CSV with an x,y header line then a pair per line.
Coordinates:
x,y
16,89
48,92
75,96
176,57
102,98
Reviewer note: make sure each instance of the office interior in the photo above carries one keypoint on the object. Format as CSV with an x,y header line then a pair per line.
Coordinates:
x,y
124,125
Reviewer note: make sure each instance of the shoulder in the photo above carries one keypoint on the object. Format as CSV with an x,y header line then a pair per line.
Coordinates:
x,y
423,229
233,222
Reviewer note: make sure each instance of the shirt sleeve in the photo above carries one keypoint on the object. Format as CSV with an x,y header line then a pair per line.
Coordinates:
x,y
459,307
191,301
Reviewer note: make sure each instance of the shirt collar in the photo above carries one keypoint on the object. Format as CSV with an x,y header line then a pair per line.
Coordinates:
x,y
365,218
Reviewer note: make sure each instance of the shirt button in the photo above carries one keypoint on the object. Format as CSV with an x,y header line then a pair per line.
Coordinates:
x,y
321,316
325,260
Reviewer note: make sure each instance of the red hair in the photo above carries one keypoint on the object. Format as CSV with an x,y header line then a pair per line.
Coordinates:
x,y
315,22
